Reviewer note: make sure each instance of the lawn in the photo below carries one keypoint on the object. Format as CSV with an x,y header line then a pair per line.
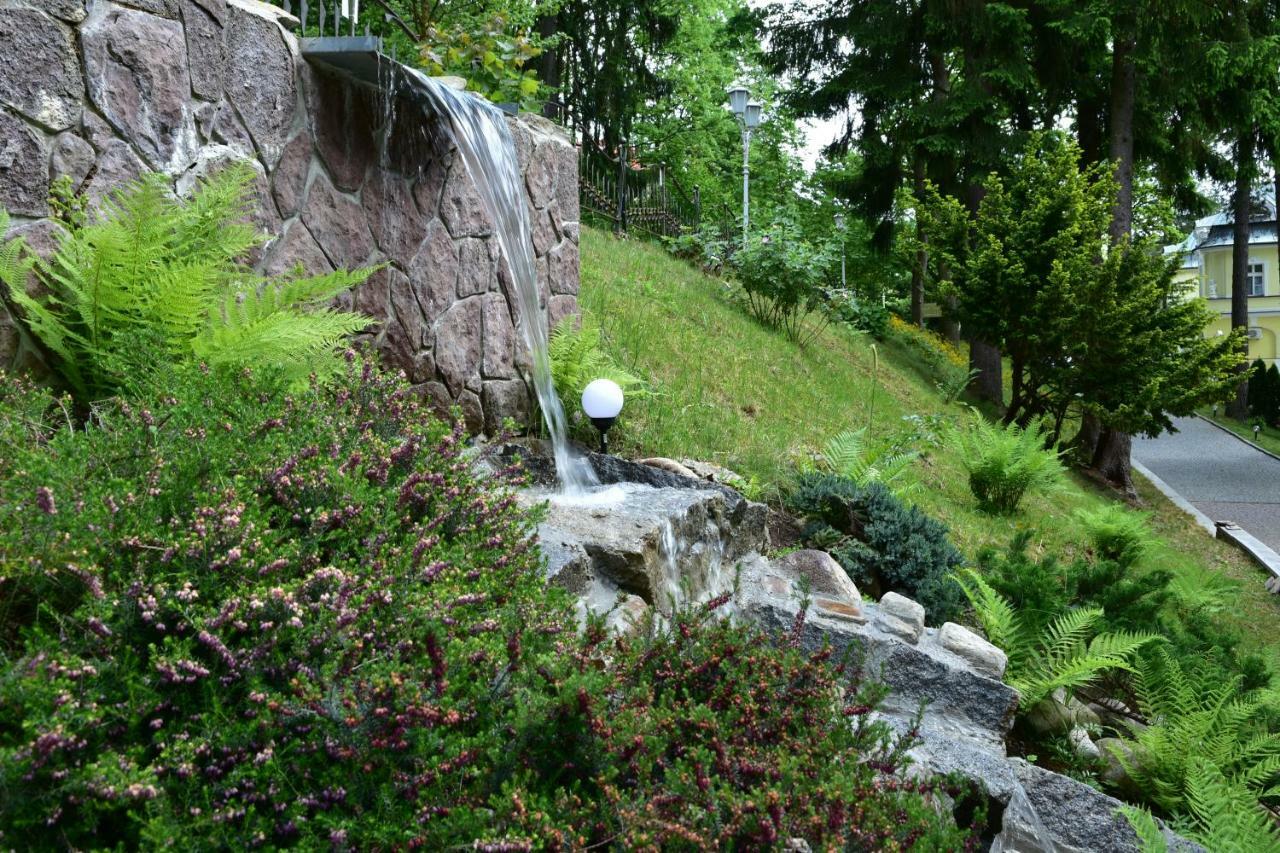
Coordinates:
x,y
1268,438
739,394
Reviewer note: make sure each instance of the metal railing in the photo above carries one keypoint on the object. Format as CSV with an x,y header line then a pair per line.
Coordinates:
x,y
338,18
632,196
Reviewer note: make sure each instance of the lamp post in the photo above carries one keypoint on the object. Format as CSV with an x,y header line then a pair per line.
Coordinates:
x,y
840,228
602,400
748,113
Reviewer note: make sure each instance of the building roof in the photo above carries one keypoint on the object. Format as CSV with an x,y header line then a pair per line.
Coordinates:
x,y
1187,248
1220,235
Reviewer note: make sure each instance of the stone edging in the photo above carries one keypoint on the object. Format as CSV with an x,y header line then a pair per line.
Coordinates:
x,y
1261,553
1178,500
1237,436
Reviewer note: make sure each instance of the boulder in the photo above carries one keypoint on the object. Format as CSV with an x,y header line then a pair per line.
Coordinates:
x,y
984,657
825,577
901,616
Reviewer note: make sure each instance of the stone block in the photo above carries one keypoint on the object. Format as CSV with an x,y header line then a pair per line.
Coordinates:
x,y
338,223
24,170
824,575
262,83
136,68
41,79
901,616
206,47
983,656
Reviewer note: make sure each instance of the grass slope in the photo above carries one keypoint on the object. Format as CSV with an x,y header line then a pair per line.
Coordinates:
x,y
736,393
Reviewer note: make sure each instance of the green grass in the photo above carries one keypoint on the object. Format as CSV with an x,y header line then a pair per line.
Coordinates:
x,y
731,391
1268,437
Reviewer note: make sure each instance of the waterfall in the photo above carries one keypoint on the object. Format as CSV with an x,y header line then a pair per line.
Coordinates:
x,y
479,131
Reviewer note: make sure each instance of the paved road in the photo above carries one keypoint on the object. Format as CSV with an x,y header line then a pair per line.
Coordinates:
x,y
1219,474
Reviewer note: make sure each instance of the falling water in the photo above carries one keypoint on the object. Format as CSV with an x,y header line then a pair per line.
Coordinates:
x,y
480,132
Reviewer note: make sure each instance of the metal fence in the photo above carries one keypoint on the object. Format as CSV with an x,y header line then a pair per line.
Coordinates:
x,y
345,18
630,195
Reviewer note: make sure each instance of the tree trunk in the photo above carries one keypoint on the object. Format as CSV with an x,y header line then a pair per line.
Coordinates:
x,y
1085,443
1124,85
1238,408
1111,455
549,68
984,357
950,325
920,270
1111,460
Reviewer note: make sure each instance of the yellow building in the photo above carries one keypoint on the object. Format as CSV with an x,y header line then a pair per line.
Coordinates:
x,y
1206,270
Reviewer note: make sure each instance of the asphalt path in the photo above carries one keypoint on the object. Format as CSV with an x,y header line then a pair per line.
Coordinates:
x,y
1225,478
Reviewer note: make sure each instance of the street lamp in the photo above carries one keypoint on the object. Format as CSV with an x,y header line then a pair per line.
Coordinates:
x,y
748,114
602,400
840,228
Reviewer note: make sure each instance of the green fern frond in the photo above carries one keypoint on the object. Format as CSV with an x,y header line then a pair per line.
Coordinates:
x,y
997,617
1150,837
1225,816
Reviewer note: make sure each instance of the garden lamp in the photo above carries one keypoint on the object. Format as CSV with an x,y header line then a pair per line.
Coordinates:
x,y
738,97
602,400
747,112
1256,430
840,228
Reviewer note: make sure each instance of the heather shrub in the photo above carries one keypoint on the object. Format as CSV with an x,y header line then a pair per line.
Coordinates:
x,y
242,616
240,613
707,736
882,543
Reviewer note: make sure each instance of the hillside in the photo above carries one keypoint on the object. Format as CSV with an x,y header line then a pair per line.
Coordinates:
x,y
741,395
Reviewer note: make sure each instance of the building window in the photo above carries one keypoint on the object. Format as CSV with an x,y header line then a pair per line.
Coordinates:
x,y
1211,289
1255,278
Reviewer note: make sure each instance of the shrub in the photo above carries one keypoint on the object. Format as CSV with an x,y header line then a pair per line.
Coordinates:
x,y
783,275
158,271
943,359
865,315
244,616
706,736
705,246
882,543
1006,463
238,615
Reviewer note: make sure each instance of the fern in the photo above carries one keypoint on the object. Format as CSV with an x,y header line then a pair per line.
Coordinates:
x,y
1224,815
578,357
156,276
1005,463
1194,720
847,455
1061,655
1118,533
1150,837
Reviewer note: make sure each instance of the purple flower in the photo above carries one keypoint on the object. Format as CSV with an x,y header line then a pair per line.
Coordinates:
x,y
44,501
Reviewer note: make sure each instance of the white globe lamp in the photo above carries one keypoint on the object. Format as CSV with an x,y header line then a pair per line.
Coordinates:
x,y
602,401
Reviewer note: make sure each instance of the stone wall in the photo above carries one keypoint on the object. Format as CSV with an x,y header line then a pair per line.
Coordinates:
x,y
102,91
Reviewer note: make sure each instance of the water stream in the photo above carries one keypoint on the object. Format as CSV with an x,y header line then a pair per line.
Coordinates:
x,y
484,142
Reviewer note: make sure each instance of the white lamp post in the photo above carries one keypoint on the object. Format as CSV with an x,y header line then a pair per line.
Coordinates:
x,y
602,400
748,113
840,228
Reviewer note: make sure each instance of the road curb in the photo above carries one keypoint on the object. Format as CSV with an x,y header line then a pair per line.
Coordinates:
x,y
1178,500
1237,436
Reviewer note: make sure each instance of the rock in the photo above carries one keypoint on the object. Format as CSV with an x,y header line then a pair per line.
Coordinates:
x,y
1115,754
434,272
24,175
1050,716
627,615
476,272
71,11
543,234
117,165
668,465
901,616
1082,744
472,410
1056,814
461,209
664,545
265,92
136,67
338,223
289,180
498,360
397,225
563,268
458,343
984,657
72,157
296,248
206,49
824,575
227,128
559,308
710,471
41,78
504,398
344,120
429,186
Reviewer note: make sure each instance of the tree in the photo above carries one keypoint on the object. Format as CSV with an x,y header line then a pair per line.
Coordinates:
x,y
1087,325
